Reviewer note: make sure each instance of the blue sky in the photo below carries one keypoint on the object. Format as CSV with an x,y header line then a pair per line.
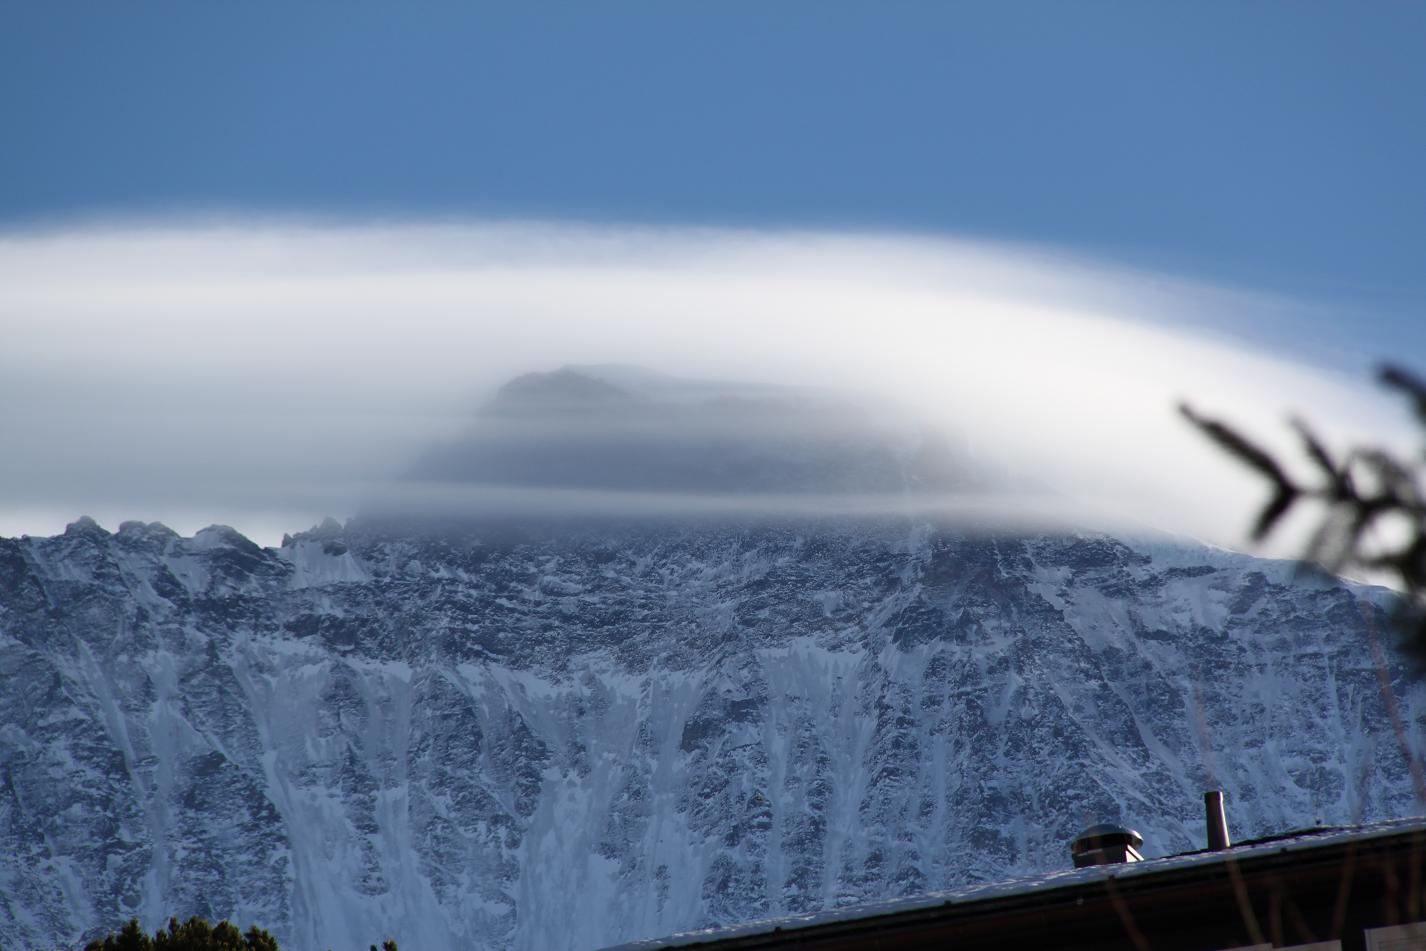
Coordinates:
x,y
1270,145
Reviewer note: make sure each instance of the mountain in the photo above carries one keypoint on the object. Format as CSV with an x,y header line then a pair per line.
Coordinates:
x,y
616,428
515,733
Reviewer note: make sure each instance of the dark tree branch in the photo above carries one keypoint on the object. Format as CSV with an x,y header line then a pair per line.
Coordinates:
x,y
1369,488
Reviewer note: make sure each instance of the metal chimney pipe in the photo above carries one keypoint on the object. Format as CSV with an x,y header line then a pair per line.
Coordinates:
x,y
1216,820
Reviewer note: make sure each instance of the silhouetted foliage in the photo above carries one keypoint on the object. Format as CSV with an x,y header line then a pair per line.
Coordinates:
x,y
1367,489
195,934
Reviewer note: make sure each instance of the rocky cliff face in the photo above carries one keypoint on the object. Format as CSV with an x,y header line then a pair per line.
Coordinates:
x,y
538,740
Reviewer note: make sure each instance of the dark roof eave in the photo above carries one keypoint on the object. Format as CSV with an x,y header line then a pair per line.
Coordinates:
x,y
1107,884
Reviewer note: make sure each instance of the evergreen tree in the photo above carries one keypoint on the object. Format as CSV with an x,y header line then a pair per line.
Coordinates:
x,y
195,934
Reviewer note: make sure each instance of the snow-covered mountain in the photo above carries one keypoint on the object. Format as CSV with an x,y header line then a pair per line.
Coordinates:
x,y
540,736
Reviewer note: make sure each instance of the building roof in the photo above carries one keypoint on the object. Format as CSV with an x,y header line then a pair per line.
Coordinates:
x,y
1043,887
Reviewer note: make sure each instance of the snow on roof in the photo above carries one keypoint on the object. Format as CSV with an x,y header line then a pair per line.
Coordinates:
x,y
1299,840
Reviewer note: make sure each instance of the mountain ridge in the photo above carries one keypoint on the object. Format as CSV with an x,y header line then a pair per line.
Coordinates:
x,y
535,739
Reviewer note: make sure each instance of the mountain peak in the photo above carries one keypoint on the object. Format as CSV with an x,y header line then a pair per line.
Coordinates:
x,y
568,389
614,427
146,530
84,525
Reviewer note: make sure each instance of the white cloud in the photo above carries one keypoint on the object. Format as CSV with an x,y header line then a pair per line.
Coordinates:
x,y
266,373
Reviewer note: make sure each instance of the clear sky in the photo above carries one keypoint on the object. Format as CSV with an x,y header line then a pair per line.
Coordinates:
x,y
1251,172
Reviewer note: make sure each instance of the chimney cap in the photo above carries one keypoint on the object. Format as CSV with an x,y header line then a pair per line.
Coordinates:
x,y
1107,833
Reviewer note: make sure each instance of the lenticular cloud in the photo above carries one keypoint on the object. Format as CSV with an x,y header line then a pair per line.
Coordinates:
x,y
269,373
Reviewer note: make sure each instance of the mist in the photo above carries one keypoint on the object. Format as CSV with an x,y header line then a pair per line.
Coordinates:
x,y
266,374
